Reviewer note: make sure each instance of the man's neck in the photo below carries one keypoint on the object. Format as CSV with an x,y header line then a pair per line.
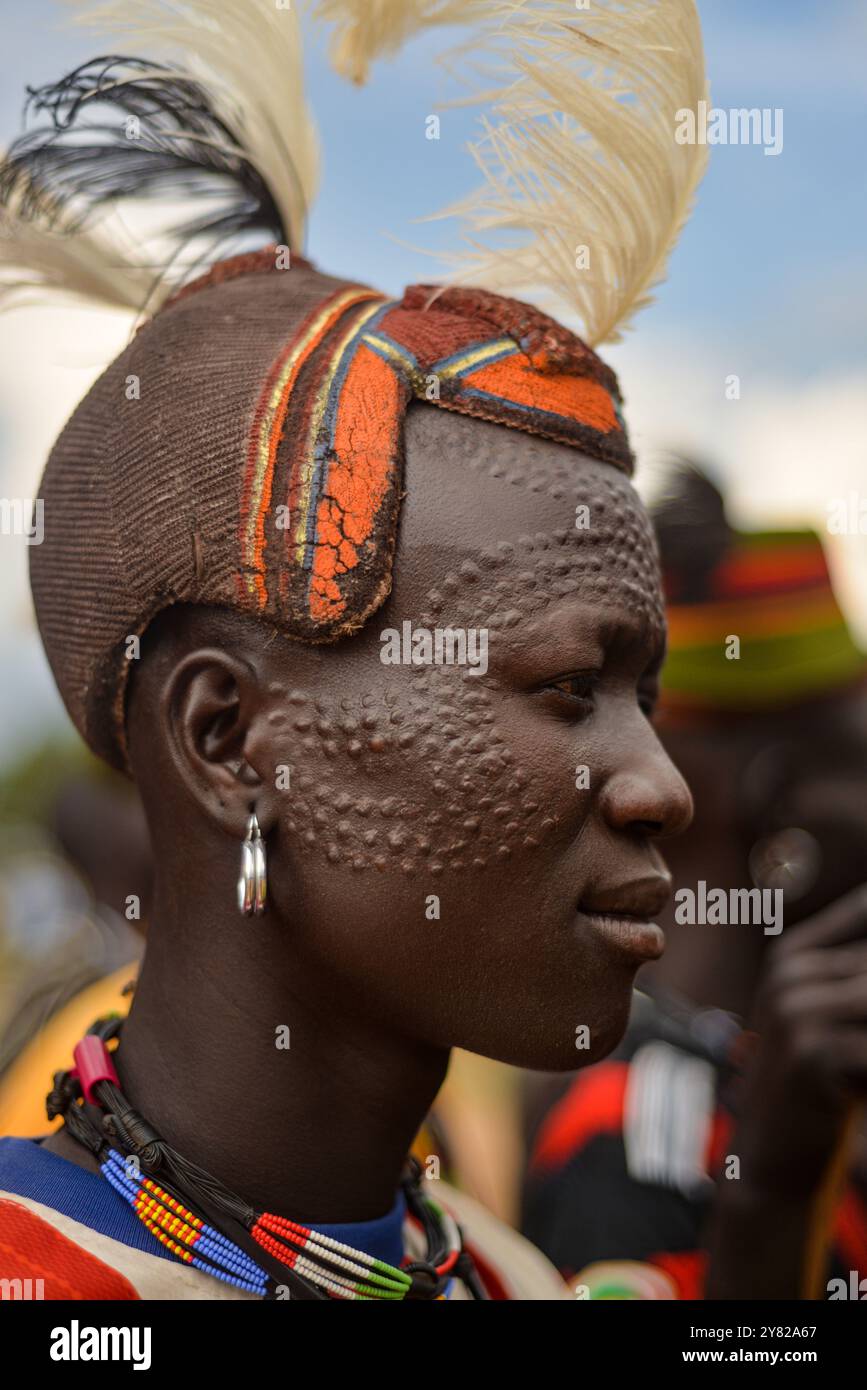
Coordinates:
x,y
282,1093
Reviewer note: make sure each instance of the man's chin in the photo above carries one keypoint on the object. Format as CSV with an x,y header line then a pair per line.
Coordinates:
x,y
571,1045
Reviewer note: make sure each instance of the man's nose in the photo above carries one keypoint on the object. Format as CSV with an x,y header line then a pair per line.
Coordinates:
x,y
645,793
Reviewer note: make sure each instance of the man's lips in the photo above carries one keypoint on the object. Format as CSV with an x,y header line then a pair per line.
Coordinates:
x,y
623,915
641,897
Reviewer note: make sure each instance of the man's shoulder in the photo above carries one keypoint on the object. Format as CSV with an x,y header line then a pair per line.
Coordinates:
x,y
63,1225
509,1265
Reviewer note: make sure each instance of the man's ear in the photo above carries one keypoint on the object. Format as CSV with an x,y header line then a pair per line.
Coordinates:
x,y
212,708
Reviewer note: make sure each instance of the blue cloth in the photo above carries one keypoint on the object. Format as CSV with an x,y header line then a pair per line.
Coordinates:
x,y
28,1170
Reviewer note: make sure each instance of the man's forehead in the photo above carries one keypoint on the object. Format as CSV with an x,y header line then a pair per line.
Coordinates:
x,y
497,523
486,478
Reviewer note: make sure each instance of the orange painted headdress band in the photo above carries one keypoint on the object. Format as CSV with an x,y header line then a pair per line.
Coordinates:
x,y
324,465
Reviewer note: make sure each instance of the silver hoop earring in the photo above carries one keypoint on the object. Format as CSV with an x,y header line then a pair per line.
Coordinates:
x,y
253,880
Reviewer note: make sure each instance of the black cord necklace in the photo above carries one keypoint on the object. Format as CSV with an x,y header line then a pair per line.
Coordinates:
x,y
208,1227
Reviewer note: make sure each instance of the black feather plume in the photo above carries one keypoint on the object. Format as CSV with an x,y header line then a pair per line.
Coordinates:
x,y
121,128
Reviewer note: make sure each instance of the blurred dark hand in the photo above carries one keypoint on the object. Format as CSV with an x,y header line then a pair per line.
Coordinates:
x,y
810,1062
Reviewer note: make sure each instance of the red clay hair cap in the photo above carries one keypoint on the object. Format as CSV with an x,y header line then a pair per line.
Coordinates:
x,y
246,450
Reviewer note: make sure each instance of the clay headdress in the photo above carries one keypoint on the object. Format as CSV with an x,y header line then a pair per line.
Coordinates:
x,y
245,450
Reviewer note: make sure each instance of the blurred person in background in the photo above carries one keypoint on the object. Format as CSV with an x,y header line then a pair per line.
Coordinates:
x,y
75,882
631,1177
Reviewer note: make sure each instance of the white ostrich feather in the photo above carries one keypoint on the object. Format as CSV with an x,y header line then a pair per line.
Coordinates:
x,y
578,147
364,30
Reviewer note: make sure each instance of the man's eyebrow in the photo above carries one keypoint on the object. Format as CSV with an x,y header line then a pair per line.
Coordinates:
x,y
627,632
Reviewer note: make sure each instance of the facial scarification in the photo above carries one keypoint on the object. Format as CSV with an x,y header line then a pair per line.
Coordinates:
x,y
420,772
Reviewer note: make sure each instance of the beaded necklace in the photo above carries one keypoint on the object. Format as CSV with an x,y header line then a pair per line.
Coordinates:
x,y
204,1225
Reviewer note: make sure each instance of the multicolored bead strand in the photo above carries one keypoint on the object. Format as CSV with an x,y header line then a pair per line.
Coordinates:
x,y
378,1279
182,1233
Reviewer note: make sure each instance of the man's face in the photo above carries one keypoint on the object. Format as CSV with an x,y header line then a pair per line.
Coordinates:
x,y
457,845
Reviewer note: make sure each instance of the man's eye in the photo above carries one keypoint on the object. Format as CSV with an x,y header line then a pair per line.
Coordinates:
x,y
580,689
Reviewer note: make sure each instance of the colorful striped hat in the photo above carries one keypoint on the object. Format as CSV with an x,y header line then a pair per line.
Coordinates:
x,y
770,590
